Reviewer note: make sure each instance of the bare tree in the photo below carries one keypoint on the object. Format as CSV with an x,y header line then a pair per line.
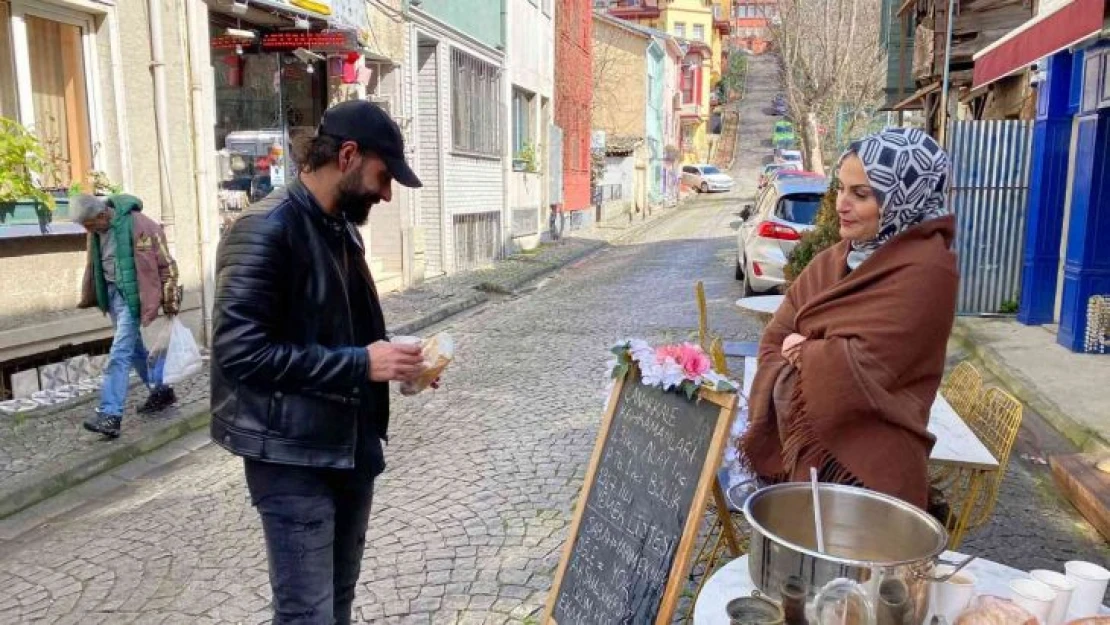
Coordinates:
x,y
831,60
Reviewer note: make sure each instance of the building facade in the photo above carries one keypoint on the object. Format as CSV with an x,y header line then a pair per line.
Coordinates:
x,y
1067,236
751,24
692,23
461,121
530,78
78,75
574,98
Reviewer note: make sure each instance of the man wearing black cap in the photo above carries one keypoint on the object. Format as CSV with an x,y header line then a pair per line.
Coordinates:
x,y
300,361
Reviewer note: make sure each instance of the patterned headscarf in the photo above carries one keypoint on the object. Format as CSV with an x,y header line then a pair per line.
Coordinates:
x,y
909,174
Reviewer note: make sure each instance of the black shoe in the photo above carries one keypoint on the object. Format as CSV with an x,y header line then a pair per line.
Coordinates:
x,y
105,424
160,399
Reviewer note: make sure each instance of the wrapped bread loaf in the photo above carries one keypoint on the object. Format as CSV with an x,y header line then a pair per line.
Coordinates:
x,y
988,610
438,352
1091,620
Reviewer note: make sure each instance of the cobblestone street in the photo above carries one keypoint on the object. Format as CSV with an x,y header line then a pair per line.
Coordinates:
x,y
471,514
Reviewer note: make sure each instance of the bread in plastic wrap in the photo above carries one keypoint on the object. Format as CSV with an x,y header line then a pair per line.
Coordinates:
x,y
438,352
1091,620
989,610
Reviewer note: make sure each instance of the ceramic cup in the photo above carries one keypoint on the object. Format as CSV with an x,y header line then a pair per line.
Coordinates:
x,y
1090,586
952,597
1064,588
1036,597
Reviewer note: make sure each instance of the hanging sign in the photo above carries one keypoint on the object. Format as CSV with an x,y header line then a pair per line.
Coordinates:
x,y
324,41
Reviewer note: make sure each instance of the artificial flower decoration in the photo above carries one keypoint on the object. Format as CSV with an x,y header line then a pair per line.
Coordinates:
x,y
680,366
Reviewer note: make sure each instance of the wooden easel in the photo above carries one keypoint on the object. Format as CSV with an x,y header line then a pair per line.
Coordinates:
x,y
677,575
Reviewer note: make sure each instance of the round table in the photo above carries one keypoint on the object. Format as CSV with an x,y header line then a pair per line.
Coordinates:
x,y
732,581
762,305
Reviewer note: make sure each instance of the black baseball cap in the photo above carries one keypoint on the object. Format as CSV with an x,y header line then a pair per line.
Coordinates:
x,y
372,129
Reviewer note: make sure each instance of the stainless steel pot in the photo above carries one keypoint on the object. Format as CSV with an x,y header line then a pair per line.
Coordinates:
x,y
880,556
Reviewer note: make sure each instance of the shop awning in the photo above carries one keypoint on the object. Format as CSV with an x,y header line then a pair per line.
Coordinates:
x,y
1038,38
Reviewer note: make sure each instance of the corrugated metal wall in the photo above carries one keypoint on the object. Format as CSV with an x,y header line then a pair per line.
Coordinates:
x,y
990,165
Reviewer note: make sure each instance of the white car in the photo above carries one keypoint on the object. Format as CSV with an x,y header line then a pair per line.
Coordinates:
x,y
706,178
771,228
790,156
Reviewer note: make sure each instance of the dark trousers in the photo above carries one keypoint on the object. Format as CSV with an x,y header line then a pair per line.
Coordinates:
x,y
315,525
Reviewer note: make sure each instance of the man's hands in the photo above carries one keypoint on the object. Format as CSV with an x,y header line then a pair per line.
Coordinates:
x,y
392,362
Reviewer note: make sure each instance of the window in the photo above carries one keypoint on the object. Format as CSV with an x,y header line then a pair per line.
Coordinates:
x,y
680,29
688,85
476,119
522,121
44,87
699,32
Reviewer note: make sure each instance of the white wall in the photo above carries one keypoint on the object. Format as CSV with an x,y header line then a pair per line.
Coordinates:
x,y
530,65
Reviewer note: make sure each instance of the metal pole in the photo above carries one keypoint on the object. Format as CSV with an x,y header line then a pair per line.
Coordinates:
x,y
943,130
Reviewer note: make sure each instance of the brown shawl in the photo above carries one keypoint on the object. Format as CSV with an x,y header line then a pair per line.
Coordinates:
x,y
870,367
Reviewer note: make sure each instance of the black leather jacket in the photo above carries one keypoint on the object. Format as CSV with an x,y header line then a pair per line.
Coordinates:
x,y
290,381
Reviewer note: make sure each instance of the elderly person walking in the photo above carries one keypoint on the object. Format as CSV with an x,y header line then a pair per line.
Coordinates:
x,y
131,276
851,362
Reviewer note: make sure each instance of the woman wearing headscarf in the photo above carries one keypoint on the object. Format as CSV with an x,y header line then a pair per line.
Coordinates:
x,y
851,363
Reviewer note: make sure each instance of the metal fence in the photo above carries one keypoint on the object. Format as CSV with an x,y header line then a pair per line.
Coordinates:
x,y
477,239
990,185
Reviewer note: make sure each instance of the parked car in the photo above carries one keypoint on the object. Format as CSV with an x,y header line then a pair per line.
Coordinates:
x,y
706,178
773,226
779,105
769,170
783,134
789,156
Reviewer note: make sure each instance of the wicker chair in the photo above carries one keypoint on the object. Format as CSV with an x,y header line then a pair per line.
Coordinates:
x,y
996,421
962,389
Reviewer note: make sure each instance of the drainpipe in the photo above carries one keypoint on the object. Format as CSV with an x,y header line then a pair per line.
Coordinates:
x,y
943,130
158,71
196,30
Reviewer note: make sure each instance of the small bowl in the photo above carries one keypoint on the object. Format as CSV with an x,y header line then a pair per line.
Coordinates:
x,y
754,610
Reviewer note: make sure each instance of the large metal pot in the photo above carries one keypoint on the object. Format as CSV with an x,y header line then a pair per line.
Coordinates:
x,y
879,560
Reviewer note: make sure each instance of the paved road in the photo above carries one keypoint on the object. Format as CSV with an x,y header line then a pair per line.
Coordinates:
x,y
471,514
472,511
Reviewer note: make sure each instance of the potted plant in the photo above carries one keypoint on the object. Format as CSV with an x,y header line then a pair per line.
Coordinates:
x,y
526,160
22,160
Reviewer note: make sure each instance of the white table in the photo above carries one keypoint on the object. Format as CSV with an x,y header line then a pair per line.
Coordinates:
x,y
957,446
765,305
732,581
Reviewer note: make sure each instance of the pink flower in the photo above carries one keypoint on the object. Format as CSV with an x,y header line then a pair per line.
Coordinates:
x,y
667,351
694,361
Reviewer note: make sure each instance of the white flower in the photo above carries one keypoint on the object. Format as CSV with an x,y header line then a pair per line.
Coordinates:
x,y
672,374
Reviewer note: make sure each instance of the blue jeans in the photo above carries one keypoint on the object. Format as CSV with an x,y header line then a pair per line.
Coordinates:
x,y
127,351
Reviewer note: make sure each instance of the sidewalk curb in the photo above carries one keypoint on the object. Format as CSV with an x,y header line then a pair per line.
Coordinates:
x,y
97,463
988,358
114,455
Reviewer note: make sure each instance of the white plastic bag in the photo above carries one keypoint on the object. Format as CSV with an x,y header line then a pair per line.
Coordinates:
x,y
174,345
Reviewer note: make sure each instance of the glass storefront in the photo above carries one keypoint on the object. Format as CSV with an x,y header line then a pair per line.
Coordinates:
x,y
270,90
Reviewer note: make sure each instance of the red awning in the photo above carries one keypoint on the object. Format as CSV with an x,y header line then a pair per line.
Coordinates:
x,y
1041,36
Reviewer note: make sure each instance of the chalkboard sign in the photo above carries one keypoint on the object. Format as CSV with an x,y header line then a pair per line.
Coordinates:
x,y
654,463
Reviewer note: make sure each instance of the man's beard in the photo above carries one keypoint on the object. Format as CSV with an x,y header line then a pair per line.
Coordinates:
x,y
353,201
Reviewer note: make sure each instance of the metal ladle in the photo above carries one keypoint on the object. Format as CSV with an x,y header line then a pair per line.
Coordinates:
x,y
817,511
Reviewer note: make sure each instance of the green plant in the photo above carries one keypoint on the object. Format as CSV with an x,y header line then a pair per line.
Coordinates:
x,y
101,184
1008,307
825,235
22,159
528,156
